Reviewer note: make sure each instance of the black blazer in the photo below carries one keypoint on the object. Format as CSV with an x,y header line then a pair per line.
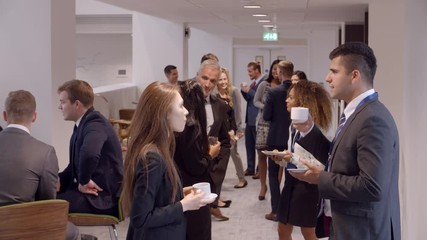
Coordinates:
x,y
95,153
276,113
193,164
152,215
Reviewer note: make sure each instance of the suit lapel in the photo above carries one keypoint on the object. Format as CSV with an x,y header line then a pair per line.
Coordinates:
x,y
215,110
347,126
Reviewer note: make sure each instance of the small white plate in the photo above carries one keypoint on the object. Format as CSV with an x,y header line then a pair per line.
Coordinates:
x,y
211,198
213,195
297,170
271,153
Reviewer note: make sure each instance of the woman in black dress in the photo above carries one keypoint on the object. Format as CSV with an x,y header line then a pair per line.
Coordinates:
x,y
299,202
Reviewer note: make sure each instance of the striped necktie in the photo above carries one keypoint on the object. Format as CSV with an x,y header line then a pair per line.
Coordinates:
x,y
340,125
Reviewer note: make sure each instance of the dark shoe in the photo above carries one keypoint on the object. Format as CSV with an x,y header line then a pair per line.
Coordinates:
x,y
227,204
256,176
249,173
88,237
218,215
261,195
271,216
241,184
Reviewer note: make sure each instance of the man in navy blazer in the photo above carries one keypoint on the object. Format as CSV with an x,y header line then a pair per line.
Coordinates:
x,y
361,180
276,113
248,93
92,180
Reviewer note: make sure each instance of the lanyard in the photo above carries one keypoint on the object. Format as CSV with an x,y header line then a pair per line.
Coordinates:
x,y
373,96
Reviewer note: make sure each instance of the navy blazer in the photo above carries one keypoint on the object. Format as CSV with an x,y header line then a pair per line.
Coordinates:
x,y
276,113
95,153
152,215
251,110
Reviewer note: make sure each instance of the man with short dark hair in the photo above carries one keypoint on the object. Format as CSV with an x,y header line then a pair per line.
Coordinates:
x,y
248,93
92,180
360,185
171,74
28,167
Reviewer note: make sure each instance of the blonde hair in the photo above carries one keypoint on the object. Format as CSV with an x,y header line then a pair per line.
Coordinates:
x,y
229,89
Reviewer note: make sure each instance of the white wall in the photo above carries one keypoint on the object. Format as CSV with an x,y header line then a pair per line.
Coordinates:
x,y
320,44
37,49
156,43
88,7
201,42
100,56
398,39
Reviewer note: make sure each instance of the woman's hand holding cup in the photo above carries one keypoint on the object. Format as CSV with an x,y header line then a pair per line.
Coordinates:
x,y
198,197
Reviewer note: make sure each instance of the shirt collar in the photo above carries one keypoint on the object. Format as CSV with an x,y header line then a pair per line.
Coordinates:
x,y
351,107
19,126
79,120
259,79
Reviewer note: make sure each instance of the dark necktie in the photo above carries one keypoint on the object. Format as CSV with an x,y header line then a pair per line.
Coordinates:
x,y
341,124
253,84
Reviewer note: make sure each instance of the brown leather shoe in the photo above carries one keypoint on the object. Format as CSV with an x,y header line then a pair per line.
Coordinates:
x,y
271,216
218,215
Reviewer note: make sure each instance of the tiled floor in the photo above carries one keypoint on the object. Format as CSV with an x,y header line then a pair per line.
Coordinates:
x,y
246,213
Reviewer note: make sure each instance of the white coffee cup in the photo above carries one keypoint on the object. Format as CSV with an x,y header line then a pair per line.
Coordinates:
x,y
203,187
299,114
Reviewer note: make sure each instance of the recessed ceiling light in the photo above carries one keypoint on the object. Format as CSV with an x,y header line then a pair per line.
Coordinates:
x,y
259,15
264,21
268,26
252,6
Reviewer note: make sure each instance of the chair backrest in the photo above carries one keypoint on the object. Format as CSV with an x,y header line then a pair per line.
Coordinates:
x,y
126,114
46,219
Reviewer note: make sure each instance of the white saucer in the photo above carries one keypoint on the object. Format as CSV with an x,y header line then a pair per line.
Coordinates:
x,y
297,170
272,153
213,195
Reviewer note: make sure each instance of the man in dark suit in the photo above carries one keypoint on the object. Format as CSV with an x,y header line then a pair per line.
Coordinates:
x,y
276,113
92,180
217,120
28,167
248,93
361,181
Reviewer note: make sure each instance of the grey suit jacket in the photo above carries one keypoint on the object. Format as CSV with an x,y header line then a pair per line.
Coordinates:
x,y
28,168
362,183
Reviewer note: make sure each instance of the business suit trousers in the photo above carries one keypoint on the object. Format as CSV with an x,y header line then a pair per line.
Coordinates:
x,y
80,204
237,160
273,182
250,137
273,179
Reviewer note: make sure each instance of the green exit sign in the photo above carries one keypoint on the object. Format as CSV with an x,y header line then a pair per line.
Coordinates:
x,y
270,36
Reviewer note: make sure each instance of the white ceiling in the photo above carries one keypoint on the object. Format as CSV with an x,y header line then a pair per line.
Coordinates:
x,y
228,17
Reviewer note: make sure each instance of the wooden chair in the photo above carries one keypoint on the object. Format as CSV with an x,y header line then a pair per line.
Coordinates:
x,y
89,219
46,219
126,114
